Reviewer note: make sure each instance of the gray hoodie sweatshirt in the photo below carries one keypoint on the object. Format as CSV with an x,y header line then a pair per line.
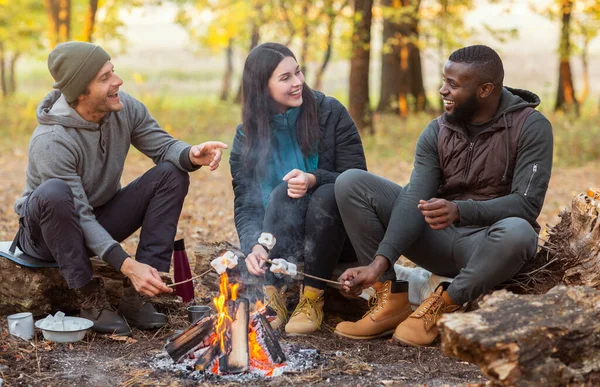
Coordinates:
x,y
90,158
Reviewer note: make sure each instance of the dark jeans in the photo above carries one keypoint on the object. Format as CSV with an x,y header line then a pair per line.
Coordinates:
x,y
308,228
479,258
51,230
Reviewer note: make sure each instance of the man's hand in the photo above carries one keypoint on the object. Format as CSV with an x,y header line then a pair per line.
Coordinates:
x,y
208,153
356,279
255,261
144,278
299,183
439,213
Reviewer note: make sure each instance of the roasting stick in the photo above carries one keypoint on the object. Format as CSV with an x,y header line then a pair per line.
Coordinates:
x,y
268,241
308,275
190,279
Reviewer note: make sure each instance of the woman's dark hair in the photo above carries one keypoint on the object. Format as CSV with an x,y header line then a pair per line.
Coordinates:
x,y
257,106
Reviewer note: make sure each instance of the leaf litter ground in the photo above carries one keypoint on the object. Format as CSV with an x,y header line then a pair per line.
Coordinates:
x,y
208,217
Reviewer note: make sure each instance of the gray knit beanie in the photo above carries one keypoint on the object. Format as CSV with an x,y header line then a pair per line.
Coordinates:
x,y
73,65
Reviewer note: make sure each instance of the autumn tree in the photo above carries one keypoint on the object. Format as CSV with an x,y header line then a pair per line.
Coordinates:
x,y
578,23
359,103
21,29
401,70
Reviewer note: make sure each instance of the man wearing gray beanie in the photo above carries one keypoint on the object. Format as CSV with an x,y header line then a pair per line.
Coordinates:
x,y
74,206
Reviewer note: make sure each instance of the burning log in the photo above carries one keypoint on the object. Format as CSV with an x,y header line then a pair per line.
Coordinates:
x,y
238,359
270,340
206,359
189,339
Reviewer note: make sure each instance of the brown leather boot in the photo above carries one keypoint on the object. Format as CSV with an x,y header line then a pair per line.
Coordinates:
x,y
95,307
420,328
275,299
389,309
138,311
308,315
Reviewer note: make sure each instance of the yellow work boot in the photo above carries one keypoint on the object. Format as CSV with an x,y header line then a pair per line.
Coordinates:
x,y
308,315
274,298
420,328
389,308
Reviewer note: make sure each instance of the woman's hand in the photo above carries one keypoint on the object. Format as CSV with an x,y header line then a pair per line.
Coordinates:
x,y
299,183
255,261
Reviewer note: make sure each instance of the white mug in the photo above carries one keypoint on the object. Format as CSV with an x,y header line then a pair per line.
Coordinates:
x,y
21,325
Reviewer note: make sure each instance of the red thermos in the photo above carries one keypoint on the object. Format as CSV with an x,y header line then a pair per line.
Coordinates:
x,y
181,268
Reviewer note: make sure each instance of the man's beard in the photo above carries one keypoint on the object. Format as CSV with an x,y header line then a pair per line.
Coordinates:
x,y
463,113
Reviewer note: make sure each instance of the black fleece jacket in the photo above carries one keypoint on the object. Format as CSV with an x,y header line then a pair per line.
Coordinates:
x,y
340,149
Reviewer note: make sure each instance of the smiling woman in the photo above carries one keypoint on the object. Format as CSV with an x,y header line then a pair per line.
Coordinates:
x,y
292,145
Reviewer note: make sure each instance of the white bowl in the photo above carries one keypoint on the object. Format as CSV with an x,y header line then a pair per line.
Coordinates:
x,y
75,328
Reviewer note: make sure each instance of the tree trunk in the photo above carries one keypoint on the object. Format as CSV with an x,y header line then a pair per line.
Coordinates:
x,y
328,50
228,71
304,39
64,19
90,20
253,43
3,70
585,68
360,108
565,96
417,89
12,77
52,12
571,254
59,21
401,70
530,340
390,63
42,291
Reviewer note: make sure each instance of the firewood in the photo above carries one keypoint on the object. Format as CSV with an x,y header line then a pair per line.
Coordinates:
x,y
207,357
237,361
187,340
271,344
530,340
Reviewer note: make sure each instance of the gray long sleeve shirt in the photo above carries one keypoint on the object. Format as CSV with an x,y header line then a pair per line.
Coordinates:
x,y
90,158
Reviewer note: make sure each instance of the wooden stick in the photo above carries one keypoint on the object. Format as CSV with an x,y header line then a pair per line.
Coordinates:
x,y
191,279
308,275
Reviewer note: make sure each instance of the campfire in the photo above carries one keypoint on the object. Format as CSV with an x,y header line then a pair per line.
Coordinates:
x,y
232,341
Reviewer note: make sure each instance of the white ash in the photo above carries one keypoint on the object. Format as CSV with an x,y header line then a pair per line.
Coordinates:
x,y
298,359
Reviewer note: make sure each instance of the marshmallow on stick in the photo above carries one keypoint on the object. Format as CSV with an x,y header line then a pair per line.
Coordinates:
x,y
282,266
227,260
267,240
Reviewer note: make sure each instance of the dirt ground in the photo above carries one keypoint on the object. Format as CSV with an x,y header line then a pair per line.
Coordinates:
x,y
208,217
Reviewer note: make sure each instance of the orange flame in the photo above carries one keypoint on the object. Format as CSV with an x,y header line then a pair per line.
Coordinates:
x,y
258,356
221,305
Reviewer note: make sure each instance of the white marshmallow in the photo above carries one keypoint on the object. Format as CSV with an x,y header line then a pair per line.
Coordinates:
x,y
226,261
268,240
282,266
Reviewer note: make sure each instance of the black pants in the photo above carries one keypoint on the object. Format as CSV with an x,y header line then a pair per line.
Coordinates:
x,y
308,228
51,231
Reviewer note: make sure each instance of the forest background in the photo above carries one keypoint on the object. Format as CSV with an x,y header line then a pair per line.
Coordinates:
x,y
382,59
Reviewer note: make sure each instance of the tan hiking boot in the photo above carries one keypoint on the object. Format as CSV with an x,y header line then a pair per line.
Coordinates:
x,y
420,328
308,315
389,308
274,298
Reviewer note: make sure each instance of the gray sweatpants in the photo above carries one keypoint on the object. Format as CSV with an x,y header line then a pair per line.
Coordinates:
x,y
479,258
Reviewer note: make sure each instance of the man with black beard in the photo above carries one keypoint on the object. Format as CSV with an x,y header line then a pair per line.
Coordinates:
x,y
480,176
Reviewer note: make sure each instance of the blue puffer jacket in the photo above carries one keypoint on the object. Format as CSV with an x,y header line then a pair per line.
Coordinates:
x,y
340,149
